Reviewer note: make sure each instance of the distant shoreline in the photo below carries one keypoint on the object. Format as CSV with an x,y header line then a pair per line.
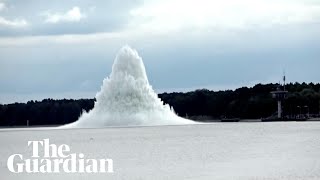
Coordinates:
x,y
207,121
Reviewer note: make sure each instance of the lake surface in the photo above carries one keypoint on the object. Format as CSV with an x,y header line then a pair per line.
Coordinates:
x,y
271,150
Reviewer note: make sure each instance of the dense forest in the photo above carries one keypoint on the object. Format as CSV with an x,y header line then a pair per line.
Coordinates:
x,y
246,103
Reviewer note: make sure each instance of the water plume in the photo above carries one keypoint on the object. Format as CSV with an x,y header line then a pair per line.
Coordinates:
x,y
127,99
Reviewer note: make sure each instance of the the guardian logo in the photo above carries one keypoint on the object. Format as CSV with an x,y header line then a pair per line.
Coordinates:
x,y
55,159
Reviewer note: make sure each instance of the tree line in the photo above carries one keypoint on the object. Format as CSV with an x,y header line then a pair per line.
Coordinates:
x,y
245,103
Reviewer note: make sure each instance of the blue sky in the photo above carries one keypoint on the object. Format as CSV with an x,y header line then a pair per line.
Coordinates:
x,y
64,49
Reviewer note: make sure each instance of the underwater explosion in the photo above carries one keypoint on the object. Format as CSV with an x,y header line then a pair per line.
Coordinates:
x,y
127,99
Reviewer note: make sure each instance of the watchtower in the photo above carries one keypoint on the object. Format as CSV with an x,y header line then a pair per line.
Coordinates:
x,y
280,95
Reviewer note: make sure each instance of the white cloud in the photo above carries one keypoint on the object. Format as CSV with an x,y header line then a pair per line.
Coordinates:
x,y
2,6
72,15
175,15
16,23
187,19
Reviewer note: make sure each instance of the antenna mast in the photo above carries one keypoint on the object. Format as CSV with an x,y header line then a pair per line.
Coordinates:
x,y
284,80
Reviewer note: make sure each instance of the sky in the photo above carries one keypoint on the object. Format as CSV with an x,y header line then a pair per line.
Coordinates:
x,y
64,49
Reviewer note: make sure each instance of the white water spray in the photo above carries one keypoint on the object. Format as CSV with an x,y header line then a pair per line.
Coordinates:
x,y
127,99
